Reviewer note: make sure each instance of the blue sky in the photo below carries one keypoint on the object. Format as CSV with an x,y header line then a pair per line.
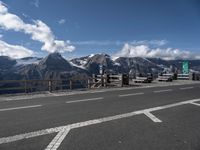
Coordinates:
x,y
110,26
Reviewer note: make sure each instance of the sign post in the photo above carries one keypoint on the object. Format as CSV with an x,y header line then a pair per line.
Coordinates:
x,y
101,69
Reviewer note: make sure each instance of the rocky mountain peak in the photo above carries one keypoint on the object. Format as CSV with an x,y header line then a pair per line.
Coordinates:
x,y
55,61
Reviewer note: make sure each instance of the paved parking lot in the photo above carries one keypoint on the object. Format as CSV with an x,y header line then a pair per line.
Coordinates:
x,y
146,118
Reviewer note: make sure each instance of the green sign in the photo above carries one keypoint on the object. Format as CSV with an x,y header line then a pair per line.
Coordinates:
x,y
185,67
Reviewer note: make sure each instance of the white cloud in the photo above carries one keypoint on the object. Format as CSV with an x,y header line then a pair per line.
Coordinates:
x,y
35,3
99,43
146,51
62,21
14,51
1,36
38,31
150,42
118,42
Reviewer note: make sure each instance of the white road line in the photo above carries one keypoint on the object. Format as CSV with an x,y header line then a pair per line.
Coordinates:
x,y
85,100
132,94
90,122
186,88
16,108
160,91
55,143
193,103
152,117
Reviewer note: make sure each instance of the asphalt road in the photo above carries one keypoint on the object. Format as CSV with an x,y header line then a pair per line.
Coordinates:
x,y
164,118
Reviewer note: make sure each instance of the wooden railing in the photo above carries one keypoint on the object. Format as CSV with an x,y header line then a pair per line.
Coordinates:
x,y
28,86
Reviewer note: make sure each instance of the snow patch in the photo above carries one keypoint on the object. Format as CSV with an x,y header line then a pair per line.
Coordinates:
x,y
91,55
81,67
117,64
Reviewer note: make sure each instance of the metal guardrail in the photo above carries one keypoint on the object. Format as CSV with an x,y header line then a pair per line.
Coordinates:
x,y
110,80
183,76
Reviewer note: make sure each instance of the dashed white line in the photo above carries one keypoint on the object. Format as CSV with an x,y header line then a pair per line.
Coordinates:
x,y
55,143
131,94
161,91
152,117
16,108
85,100
90,122
186,88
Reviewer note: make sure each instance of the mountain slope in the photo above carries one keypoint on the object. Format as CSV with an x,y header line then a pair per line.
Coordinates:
x,y
136,65
54,66
93,62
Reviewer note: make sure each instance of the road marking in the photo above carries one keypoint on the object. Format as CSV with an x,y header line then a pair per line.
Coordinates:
x,y
161,91
90,122
186,88
132,94
193,103
16,108
152,117
55,143
85,100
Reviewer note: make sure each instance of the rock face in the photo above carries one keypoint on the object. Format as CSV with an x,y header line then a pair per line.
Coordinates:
x,y
54,62
93,62
137,65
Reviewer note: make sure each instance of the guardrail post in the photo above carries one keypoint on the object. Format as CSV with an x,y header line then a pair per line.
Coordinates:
x,y
121,80
102,81
94,78
50,85
70,84
105,80
25,86
89,84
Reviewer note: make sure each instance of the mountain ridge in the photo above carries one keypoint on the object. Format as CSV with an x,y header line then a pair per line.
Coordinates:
x,y
55,66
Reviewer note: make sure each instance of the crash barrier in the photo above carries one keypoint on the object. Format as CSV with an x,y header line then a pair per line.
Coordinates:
x,y
110,80
165,77
147,79
183,77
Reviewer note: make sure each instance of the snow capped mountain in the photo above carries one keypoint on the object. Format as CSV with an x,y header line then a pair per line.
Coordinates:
x,y
80,61
54,66
93,62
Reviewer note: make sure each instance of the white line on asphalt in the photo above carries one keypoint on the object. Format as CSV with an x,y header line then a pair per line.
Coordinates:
x,y
85,100
55,143
152,117
132,94
186,88
16,108
193,103
90,122
160,91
